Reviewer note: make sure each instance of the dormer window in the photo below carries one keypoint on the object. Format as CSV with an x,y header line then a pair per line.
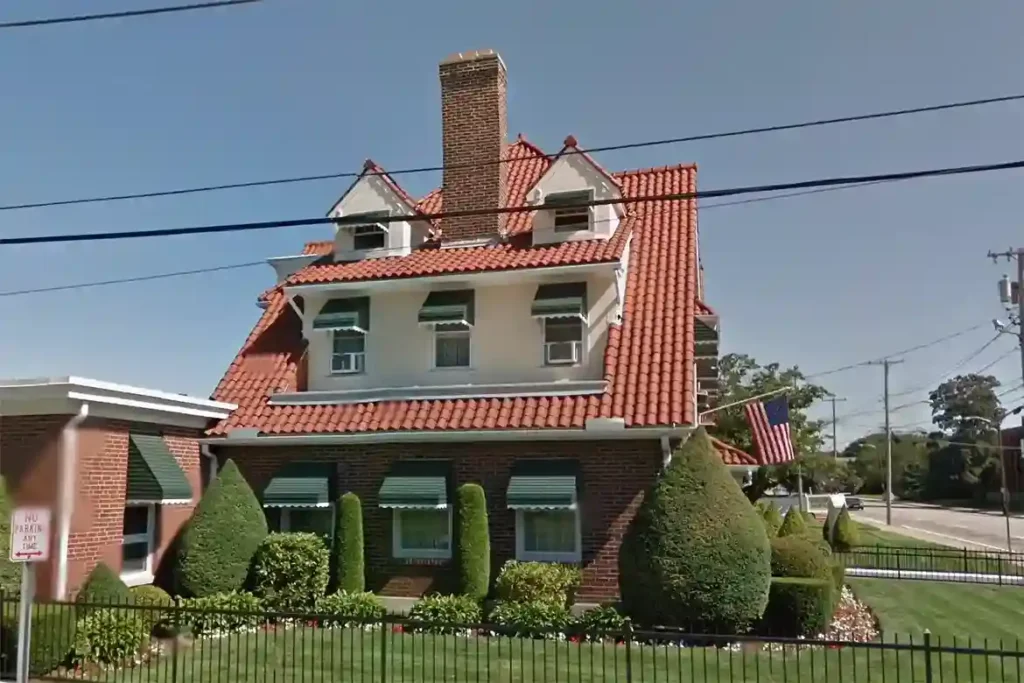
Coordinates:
x,y
369,230
347,321
568,215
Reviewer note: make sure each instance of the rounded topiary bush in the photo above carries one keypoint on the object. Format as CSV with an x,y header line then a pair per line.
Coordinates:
x,y
772,517
537,582
798,607
793,524
536,619
474,545
348,562
845,533
345,608
696,555
290,571
110,637
154,604
104,587
219,541
796,557
445,613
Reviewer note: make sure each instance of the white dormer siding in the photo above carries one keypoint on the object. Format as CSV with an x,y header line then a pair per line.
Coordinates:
x,y
574,179
372,196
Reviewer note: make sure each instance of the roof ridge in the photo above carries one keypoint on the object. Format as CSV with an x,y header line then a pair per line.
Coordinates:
x,y
521,140
691,166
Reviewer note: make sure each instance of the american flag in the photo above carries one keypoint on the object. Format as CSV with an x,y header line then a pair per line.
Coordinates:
x,y
769,423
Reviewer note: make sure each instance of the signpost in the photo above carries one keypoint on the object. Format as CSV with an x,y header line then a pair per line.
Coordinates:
x,y
30,543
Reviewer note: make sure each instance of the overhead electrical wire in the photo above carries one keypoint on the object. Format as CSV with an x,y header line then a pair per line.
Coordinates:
x,y
591,150
126,14
682,196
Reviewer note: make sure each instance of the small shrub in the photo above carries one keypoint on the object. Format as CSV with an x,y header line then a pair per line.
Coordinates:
x,y
537,582
838,575
817,541
445,613
798,607
793,524
154,604
474,544
219,541
290,571
536,619
110,637
10,572
348,609
103,587
53,636
772,517
845,533
794,557
600,622
222,613
349,566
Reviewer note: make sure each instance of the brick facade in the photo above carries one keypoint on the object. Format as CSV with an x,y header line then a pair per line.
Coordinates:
x,y
614,474
30,464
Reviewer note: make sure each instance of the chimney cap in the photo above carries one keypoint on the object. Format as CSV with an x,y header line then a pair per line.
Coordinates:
x,y
473,56
570,141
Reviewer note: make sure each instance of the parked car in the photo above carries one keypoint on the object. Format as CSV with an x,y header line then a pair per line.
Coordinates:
x,y
855,503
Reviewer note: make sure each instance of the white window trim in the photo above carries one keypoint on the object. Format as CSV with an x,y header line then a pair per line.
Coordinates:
x,y
582,356
144,576
370,229
436,334
360,366
569,558
398,552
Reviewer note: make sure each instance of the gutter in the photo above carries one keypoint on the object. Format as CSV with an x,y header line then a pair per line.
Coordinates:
x,y
205,450
69,458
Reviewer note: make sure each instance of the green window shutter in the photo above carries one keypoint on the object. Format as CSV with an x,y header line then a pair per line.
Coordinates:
x,y
154,476
344,314
573,198
416,484
544,485
563,300
300,484
452,307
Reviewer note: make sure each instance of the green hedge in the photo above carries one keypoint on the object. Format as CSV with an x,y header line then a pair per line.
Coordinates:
x,y
348,563
154,602
798,607
53,636
290,572
110,637
10,572
222,613
537,582
473,549
772,517
845,533
350,609
796,557
444,613
536,619
104,587
793,524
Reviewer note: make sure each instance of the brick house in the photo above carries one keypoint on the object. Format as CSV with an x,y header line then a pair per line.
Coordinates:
x,y
120,468
556,357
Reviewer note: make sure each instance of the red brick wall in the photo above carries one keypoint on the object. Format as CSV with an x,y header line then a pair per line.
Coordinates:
x,y
615,474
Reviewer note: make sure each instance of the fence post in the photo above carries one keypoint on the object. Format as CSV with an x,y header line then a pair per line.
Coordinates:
x,y
174,654
927,656
965,560
629,651
383,651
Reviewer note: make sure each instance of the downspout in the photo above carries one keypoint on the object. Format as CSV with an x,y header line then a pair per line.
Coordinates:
x,y
208,453
666,452
68,460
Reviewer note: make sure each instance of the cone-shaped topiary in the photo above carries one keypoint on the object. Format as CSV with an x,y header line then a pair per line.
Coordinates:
x,y
697,554
793,524
349,568
772,517
220,539
474,544
797,557
10,572
844,532
104,587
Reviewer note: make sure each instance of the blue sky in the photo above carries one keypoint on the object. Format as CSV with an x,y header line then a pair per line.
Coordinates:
x,y
315,86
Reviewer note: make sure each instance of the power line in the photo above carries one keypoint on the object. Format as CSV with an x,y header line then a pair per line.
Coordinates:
x,y
682,196
122,15
962,362
592,150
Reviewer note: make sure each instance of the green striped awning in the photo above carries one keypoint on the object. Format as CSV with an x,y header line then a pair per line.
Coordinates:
x,y
416,484
563,300
358,220
300,484
154,476
573,198
543,485
351,314
452,307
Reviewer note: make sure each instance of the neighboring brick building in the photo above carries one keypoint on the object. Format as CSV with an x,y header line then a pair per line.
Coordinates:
x,y
120,468
555,356
1013,459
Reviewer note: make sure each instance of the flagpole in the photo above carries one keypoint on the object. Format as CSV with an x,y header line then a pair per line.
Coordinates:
x,y
743,402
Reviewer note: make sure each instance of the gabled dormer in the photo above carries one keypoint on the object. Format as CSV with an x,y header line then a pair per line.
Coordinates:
x,y
366,210
574,180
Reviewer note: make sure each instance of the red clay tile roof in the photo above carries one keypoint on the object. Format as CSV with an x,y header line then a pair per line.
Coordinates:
x,y
649,357
732,455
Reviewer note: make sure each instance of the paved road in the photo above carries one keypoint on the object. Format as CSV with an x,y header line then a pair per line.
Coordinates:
x,y
959,527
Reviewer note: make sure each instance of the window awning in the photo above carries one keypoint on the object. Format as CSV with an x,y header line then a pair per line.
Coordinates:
x,y
452,307
300,484
416,485
362,220
574,198
543,485
154,476
563,300
352,314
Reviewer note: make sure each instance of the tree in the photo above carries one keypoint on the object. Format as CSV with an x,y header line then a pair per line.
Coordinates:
x,y
741,378
909,454
349,565
957,403
10,572
474,544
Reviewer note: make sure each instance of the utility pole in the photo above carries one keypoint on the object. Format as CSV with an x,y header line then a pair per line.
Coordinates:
x,y
835,449
886,363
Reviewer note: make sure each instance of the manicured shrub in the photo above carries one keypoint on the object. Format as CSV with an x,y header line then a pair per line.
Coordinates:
x,y
474,544
154,604
103,587
213,615
537,582
348,609
290,572
838,574
445,613
348,563
10,572
110,637
815,539
696,554
795,557
219,541
535,619
772,517
793,524
798,607
845,533
53,636
600,622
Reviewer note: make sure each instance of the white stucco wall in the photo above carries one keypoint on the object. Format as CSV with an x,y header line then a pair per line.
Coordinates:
x,y
570,174
373,194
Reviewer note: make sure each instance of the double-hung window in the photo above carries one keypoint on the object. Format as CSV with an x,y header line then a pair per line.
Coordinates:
x,y
348,322
563,341
348,352
570,212
416,491
365,237
450,314
451,346
138,540
543,494
298,498
562,308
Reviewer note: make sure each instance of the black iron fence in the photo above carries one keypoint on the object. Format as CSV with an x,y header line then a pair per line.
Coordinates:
x,y
146,644
946,564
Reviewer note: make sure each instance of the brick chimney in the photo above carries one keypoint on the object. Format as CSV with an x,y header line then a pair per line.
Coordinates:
x,y
474,127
